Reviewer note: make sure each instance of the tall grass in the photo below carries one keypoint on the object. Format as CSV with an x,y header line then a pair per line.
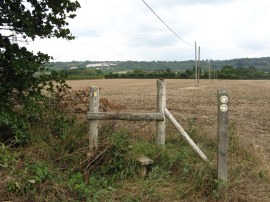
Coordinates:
x,y
57,166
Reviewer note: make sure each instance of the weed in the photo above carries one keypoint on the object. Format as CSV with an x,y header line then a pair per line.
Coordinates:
x,y
38,172
191,126
220,186
118,161
76,183
28,180
7,158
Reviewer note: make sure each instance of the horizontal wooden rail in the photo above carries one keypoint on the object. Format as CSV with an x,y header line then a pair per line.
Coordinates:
x,y
125,116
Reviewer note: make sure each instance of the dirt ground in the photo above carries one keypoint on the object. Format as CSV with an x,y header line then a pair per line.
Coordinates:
x,y
249,104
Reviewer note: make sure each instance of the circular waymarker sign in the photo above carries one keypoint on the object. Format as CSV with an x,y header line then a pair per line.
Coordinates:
x,y
223,107
224,99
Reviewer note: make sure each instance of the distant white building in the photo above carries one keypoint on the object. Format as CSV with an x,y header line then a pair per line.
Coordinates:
x,y
100,65
73,68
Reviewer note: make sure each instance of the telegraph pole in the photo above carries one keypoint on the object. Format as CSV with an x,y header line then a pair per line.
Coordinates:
x,y
214,69
209,70
199,66
196,70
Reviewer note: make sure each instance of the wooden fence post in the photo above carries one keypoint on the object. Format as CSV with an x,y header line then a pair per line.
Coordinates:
x,y
222,135
93,124
161,105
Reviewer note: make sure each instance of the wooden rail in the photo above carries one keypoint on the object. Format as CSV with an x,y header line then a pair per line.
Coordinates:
x,y
125,116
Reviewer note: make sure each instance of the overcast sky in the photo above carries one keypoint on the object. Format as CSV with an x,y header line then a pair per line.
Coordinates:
x,y
128,30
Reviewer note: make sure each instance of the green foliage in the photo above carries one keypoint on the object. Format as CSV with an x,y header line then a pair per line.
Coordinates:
x,y
77,184
22,73
246,68
59,166
229,72
83,73
38,18
120,162
262,65
138,73
29,179
7,158
60,123
219,185
39,172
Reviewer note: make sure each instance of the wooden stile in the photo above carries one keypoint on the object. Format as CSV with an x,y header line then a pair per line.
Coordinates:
x,y
94,115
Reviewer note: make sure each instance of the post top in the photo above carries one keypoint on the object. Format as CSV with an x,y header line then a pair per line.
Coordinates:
x,y
222,91
144,160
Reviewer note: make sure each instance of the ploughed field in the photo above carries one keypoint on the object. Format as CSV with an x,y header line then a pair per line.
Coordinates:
x,y
249,105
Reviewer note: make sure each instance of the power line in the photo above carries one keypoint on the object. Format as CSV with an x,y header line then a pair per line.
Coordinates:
x,y
166,24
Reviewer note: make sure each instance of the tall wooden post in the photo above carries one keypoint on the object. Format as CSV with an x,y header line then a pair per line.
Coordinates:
x,y
209,70
161,105
93,124
222,135
199,66
196,65
214,72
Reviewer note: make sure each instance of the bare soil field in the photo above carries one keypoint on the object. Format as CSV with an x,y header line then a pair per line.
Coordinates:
x,y
249,104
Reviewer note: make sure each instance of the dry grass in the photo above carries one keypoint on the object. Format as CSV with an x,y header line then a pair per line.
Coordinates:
x,y
249,102
248,110
178,174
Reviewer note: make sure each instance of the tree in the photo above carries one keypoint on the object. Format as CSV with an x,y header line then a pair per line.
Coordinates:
x,y
22,73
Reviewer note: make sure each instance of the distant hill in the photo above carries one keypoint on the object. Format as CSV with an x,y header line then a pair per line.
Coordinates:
x,y
261,64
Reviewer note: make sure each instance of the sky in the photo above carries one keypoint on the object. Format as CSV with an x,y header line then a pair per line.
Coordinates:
x,y
123,30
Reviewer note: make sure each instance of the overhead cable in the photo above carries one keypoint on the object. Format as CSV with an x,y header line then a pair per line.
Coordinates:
x,y
166,24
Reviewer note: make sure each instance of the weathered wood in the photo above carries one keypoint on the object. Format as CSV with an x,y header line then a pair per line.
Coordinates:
x,y
184,134
143,160
222,155
125,116
145,165
93,124
161,104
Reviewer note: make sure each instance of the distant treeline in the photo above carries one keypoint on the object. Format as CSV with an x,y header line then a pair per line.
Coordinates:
x,y
227,72
82,73
261,64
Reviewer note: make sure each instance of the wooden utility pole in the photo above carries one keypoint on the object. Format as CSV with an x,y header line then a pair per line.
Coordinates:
x,y
199,66
209,70
214,72
196,65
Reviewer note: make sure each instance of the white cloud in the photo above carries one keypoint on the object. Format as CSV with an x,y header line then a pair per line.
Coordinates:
x,y
127,30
